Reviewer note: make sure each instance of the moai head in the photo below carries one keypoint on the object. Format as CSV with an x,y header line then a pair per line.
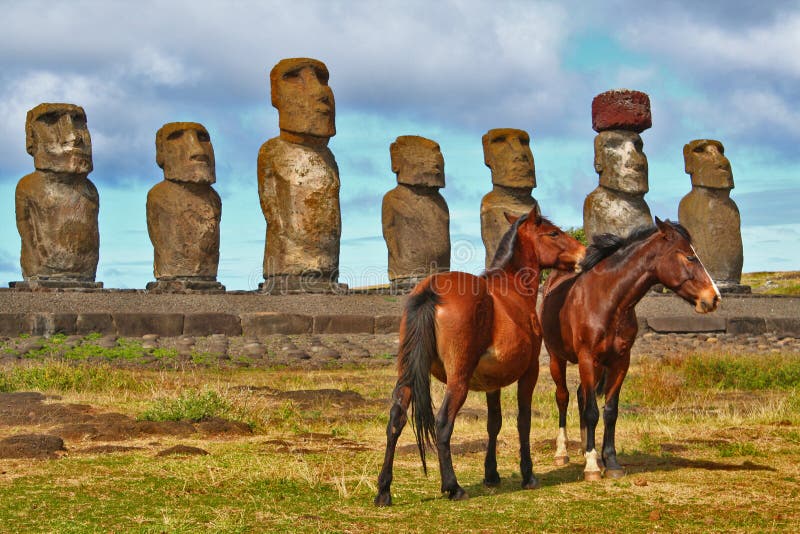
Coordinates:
x,y
620,161
58,139
184,151
707,165
507,152
417,161
303,98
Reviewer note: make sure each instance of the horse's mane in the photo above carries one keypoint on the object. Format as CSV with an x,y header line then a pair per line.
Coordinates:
x,y
606,245
505,250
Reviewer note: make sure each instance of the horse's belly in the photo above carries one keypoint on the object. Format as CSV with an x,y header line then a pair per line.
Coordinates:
x,y
498,369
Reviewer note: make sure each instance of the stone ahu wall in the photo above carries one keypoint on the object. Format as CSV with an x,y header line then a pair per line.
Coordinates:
x,y
298,187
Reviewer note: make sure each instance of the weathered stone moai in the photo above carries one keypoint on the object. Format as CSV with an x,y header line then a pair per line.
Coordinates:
x,y
415,218
57,205
298,183
184,211
711,216
617,206
507,152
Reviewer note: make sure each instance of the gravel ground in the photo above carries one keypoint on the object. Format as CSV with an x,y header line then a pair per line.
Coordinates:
x,y
310,351
238,303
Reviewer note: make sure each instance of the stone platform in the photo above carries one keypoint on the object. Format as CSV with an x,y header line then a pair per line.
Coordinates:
x,y
137,313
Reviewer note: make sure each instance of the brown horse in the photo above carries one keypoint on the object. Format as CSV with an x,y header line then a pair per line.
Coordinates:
x,y
479,333
589,319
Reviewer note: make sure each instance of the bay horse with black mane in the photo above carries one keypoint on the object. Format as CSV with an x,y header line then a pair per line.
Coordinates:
x,y
477,333
589,319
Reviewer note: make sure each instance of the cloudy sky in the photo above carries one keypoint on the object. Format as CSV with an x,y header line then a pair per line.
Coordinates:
x,y
449,70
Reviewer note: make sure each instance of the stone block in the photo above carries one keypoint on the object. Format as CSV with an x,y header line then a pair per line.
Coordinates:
x,y
784,326
746,325
687,324
267,323
387,324
13,324
139,324
47,324
621,109
100,323
344,324
205,324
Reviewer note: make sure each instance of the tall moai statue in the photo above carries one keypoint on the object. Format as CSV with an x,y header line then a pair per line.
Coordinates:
x,y
57,205
617,206
184,211
298,183
415,218
507,152
711,216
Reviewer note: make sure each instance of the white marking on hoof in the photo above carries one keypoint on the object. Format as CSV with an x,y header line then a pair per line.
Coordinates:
x,y
592,471
562,456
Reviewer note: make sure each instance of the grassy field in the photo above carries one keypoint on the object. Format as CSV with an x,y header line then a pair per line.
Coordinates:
x,y
779,283
709,443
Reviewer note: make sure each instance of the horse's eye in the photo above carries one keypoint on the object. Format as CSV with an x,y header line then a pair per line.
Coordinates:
x,y
692,259
554,233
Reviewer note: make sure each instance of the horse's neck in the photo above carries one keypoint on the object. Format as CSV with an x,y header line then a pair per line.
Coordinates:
x,y
524,280
632,277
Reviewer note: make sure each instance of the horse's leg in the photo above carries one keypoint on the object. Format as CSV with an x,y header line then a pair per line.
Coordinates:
x,y
581,404
454,398
591,415
558,370
397,420
493,423
524,395
616,374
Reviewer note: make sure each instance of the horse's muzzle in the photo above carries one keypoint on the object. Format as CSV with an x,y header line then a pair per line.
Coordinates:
x,y
707,303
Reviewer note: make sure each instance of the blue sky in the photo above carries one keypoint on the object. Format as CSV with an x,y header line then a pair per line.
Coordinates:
x,y
449,71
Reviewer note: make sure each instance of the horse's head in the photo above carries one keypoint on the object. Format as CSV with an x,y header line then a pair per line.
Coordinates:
x,y
679,268
544,244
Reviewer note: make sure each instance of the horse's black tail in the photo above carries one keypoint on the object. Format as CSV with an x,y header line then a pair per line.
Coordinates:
x,y
417,352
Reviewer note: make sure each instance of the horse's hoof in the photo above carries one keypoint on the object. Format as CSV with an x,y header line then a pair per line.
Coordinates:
x,y
383,499
592,476
492,482
533,483
561,461
614,473
458,494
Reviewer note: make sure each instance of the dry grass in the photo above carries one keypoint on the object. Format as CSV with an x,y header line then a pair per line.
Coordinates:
x,y
698,459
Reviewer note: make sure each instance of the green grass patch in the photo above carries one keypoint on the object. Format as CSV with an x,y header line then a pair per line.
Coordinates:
x,y
191,405
61,377
727,450
778,371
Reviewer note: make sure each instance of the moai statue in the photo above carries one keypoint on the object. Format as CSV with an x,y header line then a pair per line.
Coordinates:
x,y
184,211
57,205
507,152
415,218
711,216
298,183
617,206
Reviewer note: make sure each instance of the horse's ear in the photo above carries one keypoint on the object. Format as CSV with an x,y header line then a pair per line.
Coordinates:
x,y
510,218
660,225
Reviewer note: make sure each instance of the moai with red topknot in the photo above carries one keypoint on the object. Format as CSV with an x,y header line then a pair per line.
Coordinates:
x,y
617,206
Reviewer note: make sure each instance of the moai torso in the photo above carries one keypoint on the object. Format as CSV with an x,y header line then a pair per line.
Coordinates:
x,y
494,205
184,211
298,179
414,215
507,152
617,205
299,190
57,205
710,215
